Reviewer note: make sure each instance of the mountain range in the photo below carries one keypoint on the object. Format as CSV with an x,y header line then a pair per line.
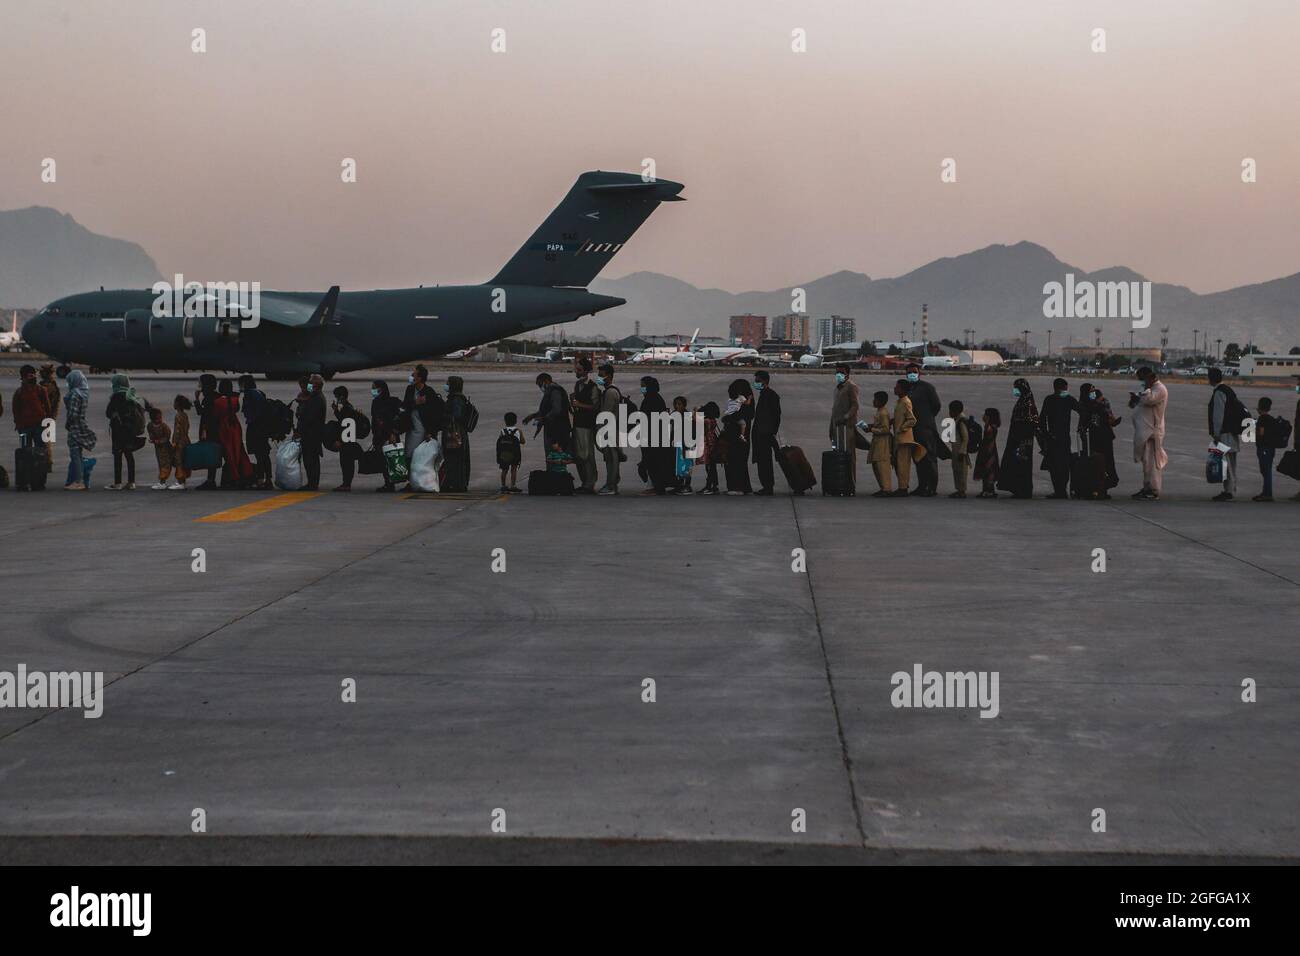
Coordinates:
x,y
996,290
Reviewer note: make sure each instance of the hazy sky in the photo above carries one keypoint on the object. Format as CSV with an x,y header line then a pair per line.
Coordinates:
x,y
226,165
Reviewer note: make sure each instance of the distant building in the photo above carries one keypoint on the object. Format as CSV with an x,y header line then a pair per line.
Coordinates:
x,y
748,330
794,327
1270,366
836,329
1090,353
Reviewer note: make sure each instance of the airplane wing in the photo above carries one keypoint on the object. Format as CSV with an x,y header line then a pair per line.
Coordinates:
x,y
300,309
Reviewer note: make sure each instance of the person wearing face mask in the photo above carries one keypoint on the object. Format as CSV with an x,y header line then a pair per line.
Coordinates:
x,y
1016,472
461,419
585,401
552,416
926,405
423,410
385,415
767,423
1149,407
311,429
737,421
1097,440
844,419
1056,431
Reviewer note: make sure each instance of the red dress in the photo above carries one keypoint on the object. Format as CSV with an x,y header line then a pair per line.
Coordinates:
x,y
230,434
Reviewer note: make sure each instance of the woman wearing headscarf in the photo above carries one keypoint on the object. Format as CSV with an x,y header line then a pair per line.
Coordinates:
x,y
385,428
237,469
126,423
736,420
1097,431
311,429
80,437
455,436
657,462
1016,473
205,410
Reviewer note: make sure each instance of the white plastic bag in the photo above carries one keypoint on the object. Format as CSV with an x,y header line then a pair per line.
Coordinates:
x,y
288,466
425,463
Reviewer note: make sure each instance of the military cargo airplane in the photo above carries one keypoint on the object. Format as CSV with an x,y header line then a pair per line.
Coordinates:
x,y
295,333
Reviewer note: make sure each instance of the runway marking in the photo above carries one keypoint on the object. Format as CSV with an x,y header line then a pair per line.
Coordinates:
x,y
261,507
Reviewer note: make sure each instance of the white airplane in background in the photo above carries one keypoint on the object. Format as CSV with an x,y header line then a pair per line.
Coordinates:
x,y
462,353
814,359
13,338
939,361
708,354
663,353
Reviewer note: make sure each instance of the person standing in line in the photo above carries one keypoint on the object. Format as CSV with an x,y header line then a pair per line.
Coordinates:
x,y
1097,433
1295,431
986,459
180,441
905,446
1055,428
424,411
658,462
737,420
253,402
1225,420
205,407
311,429
585,401
610,399
237,472
712,446
385,424
926,405
31,407
1016,472
959,450
767,423
81,438
844,417
51,386
553,415
455,435
881,454
126,423
1149,407
1266,445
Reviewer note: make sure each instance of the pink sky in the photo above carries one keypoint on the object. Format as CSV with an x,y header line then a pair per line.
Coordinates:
x,y
225,165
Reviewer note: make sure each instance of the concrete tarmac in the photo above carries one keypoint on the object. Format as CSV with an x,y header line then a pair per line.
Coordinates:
x,y
517,697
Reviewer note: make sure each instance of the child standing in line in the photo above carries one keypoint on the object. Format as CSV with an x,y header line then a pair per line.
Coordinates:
x,y
1265,447
986,460
958,446
711,414
881,454
510,452
180,439
682,464
161,438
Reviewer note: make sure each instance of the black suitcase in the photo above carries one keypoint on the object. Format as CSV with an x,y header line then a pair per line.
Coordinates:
x,y
837,473
794,465
1087,472
30,468
550,483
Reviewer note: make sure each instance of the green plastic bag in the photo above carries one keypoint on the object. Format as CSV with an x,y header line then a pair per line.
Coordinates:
x,y
395,463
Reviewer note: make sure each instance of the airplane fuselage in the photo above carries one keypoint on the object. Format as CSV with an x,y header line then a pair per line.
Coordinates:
x,y
119,328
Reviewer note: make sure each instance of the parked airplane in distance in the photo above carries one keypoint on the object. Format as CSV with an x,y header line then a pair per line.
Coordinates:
x,y
713,354
12,339
814,359
327,332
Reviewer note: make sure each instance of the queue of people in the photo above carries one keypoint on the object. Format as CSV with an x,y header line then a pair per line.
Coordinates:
x,y
1071,436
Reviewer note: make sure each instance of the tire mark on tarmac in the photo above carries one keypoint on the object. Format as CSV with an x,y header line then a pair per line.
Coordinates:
x,y
1205,544
249,613
845,757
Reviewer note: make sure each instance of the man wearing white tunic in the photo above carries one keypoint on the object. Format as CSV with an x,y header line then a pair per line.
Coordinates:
x,y
1149,432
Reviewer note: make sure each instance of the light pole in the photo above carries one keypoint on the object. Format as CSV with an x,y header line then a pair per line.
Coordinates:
x,y
1218,349
1194,331
1049,343
1026,331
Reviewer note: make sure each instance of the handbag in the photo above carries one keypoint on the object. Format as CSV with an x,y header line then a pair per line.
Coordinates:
x,y
1290,465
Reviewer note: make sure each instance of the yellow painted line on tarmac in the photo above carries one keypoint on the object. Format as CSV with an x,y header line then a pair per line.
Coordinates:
x,y
261,507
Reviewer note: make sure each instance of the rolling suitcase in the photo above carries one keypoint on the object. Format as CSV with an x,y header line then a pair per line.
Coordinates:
x,y
550,483
837,466
794,465
30,466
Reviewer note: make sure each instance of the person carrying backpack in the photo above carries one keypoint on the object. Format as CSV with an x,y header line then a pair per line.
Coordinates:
x,y
126,424
1227,418
960,448
510,453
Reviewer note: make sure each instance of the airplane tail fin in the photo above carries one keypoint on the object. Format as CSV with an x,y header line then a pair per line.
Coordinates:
x,y
586,229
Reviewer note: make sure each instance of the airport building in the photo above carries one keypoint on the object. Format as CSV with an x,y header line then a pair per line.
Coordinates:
x,y
748,330
1270,366
794,327
836,329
